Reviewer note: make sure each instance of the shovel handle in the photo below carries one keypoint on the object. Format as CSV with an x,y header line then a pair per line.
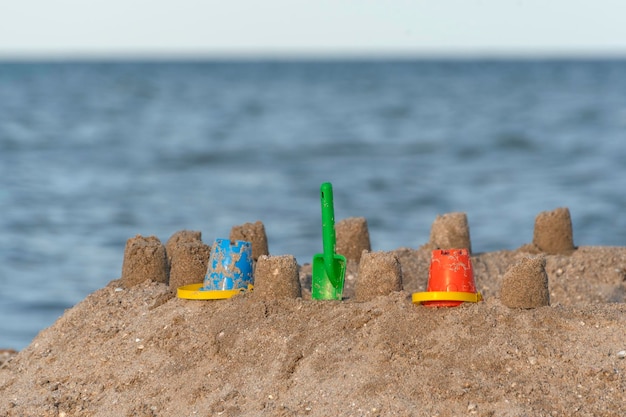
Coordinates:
x,y
328,229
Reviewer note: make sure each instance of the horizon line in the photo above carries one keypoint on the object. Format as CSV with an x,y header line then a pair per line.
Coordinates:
x,y
296,56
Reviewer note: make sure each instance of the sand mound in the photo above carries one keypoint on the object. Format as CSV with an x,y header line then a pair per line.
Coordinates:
x,y
140,351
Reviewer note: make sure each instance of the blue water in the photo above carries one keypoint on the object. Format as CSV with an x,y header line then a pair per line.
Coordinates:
x,y
94,153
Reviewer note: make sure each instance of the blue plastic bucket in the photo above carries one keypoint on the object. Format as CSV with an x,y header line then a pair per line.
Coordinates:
x,y
230,266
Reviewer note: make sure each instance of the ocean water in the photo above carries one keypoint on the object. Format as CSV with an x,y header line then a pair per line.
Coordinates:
x,y
92,154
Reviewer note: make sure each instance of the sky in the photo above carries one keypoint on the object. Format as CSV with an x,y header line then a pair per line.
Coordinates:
x,y
275,28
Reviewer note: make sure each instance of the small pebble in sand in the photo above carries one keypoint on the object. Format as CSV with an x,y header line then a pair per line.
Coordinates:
x,y
621,354
6,355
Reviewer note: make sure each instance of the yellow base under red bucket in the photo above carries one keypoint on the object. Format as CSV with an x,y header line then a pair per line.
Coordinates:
x,y
450,280
450,298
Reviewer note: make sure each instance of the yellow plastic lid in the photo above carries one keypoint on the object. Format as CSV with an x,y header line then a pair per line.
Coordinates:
x,y
420,297
194,292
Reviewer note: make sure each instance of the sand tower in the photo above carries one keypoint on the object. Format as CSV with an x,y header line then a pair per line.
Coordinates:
x,y
451,231
525,284
179,237
379,274
352,237
144,258
553,231
253,233
188,262
276,277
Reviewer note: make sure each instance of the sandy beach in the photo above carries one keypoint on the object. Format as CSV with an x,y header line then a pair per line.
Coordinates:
x,y
138,350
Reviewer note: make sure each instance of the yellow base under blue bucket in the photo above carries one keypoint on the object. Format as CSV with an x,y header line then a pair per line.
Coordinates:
x,y
195,292
229,272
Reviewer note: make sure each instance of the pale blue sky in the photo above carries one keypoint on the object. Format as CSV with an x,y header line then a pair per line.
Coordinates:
x,y
311,27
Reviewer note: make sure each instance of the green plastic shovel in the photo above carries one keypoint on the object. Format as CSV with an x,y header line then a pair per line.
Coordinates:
x,y
329,268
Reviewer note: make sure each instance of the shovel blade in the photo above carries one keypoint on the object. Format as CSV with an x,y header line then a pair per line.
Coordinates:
x,y
322,286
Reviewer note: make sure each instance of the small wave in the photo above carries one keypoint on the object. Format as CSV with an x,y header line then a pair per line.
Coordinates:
x,y
513,141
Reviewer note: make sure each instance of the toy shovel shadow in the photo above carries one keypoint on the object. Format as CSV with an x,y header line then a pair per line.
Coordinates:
x,y
329,268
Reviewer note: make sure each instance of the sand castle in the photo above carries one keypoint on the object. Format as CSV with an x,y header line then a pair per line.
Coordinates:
x,y
542,342
184,258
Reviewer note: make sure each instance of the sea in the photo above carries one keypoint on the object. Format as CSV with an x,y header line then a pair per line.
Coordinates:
x,y
94,153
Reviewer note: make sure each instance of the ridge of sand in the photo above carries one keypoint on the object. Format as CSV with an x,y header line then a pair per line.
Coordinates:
x,y
140,351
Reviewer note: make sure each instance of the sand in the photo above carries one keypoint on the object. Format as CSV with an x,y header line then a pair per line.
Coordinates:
x,y
277,277
137,350
451,231
526,284
253,233
553,231
353,237
380,273
144,257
